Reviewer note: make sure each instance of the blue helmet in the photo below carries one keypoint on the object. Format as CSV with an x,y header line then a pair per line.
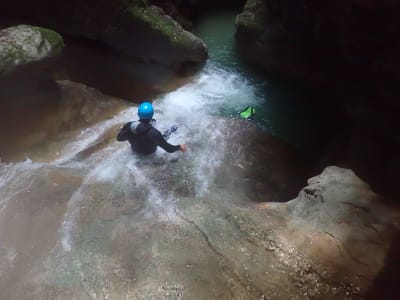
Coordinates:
x,y
145,111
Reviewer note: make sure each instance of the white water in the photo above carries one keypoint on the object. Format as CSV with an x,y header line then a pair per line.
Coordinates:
x,y
193,108
118,187
122,212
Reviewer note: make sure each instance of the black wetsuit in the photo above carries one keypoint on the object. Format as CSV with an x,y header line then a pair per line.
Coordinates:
x,y
144,138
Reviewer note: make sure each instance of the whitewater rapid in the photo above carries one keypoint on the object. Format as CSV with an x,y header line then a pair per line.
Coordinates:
x,y
195,108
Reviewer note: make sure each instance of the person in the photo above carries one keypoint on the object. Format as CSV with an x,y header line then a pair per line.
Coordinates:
x,y
143,137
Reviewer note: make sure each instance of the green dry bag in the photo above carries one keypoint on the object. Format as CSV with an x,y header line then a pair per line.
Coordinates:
x,y
248,113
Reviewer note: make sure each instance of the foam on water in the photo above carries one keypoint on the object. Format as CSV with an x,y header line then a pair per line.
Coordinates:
x,y
89,135
15,178
121,193
69,220
193,108
215,90
107,170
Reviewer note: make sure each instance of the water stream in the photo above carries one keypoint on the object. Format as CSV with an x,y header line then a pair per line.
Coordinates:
x,y
95,221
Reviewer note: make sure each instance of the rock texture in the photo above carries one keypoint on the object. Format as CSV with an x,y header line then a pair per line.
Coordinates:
x,y
350,49
133,29
24,44
95,221
33,125
311,41
129,49
261,166
344,225
27,91
111,236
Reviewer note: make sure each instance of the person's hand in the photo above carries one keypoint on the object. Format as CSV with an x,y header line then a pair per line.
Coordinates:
x,y
183,148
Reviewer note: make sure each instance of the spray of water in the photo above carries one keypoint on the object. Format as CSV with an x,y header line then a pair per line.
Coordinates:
x,y
16,178
159,179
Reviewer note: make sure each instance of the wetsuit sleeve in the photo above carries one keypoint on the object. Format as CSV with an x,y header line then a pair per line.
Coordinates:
x,y
124,132
160,140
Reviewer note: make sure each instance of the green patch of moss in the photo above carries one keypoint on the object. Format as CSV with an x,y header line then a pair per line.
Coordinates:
x,y
160,23
23,44
253,17
56,41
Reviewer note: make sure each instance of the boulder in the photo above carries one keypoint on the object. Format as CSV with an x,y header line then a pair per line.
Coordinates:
x,y
259,166
106,216
178,45
348,49
132,29
314,42
172,9
23,44
253,18
27,91
339,222
34,127
264,40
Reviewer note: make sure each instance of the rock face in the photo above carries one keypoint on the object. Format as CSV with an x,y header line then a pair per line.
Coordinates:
x,y
128,49
350,48
157,228
133,29
178,45
320,42
267,169
264,40
127,229
340,224
27,91
23,44
346,224
38,119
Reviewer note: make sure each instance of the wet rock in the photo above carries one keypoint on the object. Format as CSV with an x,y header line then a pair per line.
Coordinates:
x,y
310,41
106,223
32,209
118,228
350,50
341,224
26,88
171,8
186,47
128,49
23,44
82,105
133,29
265,167
253,18
264,40
63,106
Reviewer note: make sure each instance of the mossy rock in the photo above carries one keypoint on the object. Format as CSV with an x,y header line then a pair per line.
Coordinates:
x,y
253,18
168,34
154,17
133,29
23,44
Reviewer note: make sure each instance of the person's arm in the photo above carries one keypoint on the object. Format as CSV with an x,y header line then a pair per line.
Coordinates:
x,y
167,146
123,133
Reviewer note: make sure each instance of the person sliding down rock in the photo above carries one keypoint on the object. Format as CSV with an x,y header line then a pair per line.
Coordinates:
x,y
143,137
